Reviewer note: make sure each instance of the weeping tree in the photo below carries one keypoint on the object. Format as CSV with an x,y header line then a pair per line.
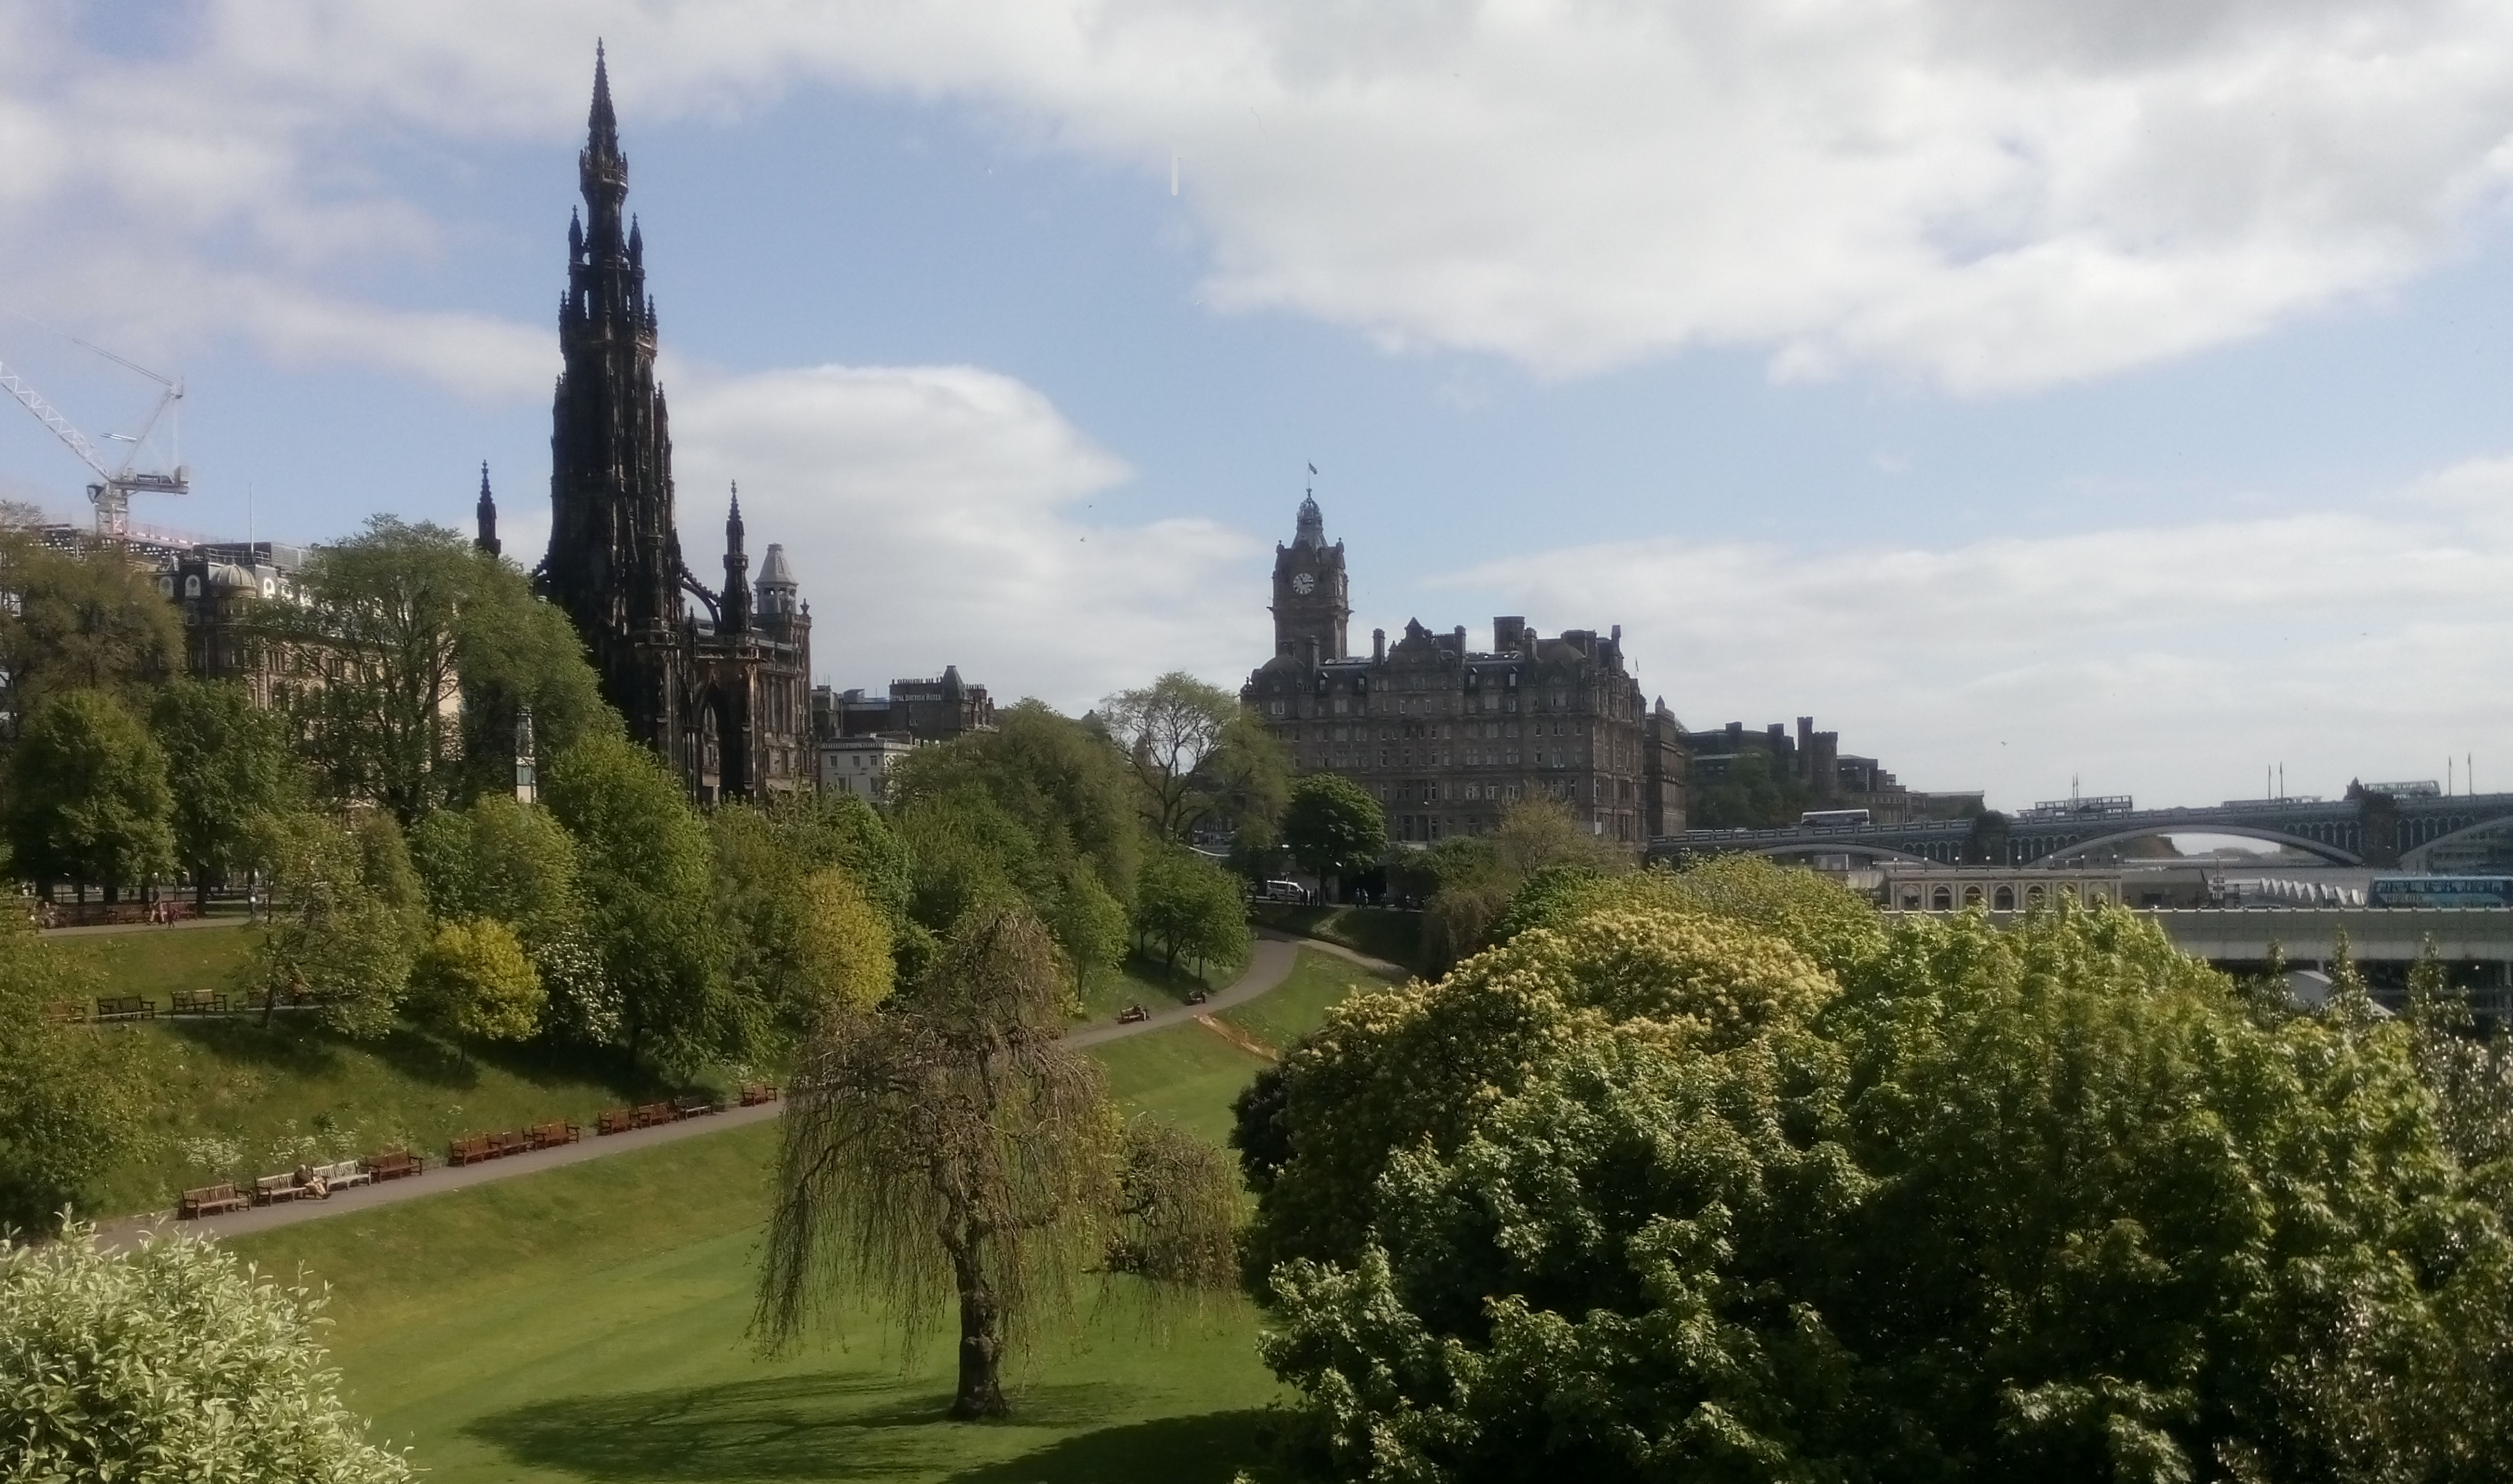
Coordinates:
x,y
948,1148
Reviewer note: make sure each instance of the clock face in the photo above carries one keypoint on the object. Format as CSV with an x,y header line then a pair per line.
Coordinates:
x,y
1305,583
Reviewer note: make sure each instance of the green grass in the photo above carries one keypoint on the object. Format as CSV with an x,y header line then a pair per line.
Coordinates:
x,y
230,1099
158,961
587,1324
1141,980
1396,936
1318,983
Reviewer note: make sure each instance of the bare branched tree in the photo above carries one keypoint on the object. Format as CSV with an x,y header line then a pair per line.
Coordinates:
x,y
949,1147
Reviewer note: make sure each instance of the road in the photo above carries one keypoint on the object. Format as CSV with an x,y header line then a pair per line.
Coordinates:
x,y
1268,965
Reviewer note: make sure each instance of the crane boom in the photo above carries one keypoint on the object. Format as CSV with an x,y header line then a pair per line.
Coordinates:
x,y
51,417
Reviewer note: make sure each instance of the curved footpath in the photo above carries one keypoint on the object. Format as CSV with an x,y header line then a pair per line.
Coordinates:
x,y
1268,965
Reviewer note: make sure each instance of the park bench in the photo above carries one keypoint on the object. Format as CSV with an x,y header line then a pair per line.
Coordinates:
x,y
697,1106
511,1142
618,1120
470,1151
340,1174
209,1200
754,1094
556,1132
394,1164
125,1007
65,1011
271,1190
197,1002
652,1113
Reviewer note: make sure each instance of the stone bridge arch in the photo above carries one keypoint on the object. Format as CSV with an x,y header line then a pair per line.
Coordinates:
x,y
2327,851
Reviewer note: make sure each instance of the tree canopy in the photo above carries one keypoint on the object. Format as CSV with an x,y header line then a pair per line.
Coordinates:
x,y
1196,756
1773,1200
88,802
67,1104
227,765
1333,826
84,619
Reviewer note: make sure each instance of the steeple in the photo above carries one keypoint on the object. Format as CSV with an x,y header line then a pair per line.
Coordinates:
x,y
736,572
486,511
601,125
602,169
1311,528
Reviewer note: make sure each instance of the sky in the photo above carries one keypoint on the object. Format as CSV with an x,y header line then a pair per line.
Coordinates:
x,y
2043,393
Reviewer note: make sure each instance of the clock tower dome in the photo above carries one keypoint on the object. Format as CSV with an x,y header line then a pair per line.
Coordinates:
x,y
1310,602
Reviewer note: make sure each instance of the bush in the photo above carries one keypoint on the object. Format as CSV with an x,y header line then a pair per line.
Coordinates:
x,y
66,1103
2042,1203
169,1362
473,980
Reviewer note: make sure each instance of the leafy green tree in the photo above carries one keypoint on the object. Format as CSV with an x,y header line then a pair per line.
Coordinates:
x,y
1196,756
346,920
82,620
474,980
1058,780
169,1360
1537,838
2038,1202
839,829
950,1150
645,864
843,942
228,764
88,801
423,650
1333,826
68,1105
1185,906
516,863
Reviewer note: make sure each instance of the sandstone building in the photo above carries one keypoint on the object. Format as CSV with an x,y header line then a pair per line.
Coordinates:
x,y
1445,735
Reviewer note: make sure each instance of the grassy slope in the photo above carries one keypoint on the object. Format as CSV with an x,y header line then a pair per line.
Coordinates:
x,y
1396,936
587,1324
1319,982
231,1099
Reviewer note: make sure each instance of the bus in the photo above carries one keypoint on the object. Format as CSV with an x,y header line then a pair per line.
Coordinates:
x,y
2439,891
1832,817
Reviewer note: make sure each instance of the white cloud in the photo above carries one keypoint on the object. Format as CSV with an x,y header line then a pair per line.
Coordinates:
x,y
2164,662
942,511
1990,194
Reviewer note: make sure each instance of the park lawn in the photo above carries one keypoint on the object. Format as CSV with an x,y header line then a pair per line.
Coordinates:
x,y
155,962
1141,980
230,1098
1318,983
1379,932
588,1323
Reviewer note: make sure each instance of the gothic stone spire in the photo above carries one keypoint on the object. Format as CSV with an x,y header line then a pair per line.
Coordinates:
x,y
486,511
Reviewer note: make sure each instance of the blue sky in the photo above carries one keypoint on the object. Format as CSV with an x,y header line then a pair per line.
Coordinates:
x,y
2106,392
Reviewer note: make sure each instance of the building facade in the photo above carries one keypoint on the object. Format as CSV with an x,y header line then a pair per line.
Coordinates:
x,y
914,710
861,765
723,698
1444,736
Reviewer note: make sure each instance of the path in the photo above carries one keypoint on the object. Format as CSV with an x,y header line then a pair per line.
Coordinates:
x,y
49,933
1268,965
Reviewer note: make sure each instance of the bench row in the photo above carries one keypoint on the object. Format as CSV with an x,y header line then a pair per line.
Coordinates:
x,y
305,1183
133,1007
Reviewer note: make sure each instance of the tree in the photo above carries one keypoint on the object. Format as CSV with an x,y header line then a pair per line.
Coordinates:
x,y
1060,781
67,1104
474,980
1334,826
843,942
644,862
346,921
84,619
949,1147
169,1360
1538,839
423,650
1196,754
228,764
88,801
1188,908
2038,1202
517,864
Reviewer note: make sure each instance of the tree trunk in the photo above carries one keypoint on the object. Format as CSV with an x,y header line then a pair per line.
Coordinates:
x,y
201,893
982,1342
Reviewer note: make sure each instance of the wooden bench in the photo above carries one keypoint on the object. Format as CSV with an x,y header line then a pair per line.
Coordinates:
x,y
697,1107
652,1113
125,1007
197,1002
556,1132
754,1094
271,1190
65,1013
340,1174
472,1150
394,1164
210,1200
618,1120
512,1141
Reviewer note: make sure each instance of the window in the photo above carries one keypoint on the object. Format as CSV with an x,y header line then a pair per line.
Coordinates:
x,y
2005,900
2034,897
1942,899
1275,707
1910,900
1972,896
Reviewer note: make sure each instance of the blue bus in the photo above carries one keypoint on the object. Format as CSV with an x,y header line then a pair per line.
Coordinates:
x,y
2439,891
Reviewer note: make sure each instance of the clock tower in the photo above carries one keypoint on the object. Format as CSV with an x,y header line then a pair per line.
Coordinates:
x,y
1310,602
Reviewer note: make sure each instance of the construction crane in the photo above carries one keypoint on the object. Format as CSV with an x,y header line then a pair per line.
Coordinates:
x,y
114,487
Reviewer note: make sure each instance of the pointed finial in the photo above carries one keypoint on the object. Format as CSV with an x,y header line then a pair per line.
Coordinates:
x,y
601,123
636,241
484,479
